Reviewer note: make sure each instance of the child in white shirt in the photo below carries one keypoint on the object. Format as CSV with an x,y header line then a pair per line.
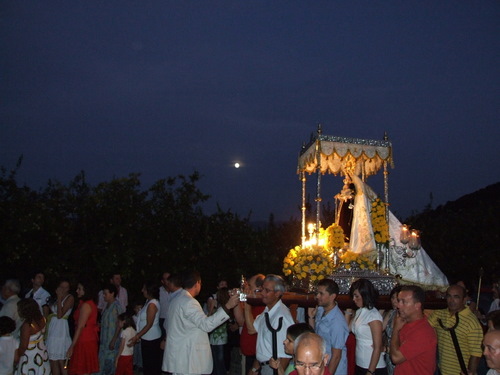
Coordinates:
x,y
8,345
124,360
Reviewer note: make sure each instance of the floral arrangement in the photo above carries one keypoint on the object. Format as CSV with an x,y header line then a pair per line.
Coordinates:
x,y
363,261
334,236
314,263
379,222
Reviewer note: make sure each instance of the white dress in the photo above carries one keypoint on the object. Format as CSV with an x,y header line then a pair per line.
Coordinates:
x,y
58,338
35,360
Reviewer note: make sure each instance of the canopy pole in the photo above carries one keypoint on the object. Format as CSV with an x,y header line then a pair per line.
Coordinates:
x,y
386,181
303,208
386,196
318,184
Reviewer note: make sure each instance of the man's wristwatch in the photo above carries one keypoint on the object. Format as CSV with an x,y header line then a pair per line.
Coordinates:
x,y
255,370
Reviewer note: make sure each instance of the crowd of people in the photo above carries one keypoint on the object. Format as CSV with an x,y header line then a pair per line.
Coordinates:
x,y
82,330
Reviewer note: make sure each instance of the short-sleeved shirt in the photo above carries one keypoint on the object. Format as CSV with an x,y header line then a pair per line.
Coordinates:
x,y
126,335
469,335
8,346
219,335
418,343
333,329
265,338
364,340
41,296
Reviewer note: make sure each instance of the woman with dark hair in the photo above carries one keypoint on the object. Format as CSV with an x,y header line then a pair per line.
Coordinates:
x,y
148,330
109,330
32,354
58,337
387,326
367,327
83,349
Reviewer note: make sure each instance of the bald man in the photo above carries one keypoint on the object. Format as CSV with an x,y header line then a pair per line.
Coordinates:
x,y
310,354
491,352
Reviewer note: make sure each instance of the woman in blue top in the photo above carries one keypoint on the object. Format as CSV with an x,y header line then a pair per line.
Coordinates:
x,y
109,331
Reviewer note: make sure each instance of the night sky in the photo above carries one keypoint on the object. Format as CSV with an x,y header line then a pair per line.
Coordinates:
x,y
170,87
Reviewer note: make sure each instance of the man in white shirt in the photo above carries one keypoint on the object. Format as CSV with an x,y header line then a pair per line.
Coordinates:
x,y
279,318
40,295
10,293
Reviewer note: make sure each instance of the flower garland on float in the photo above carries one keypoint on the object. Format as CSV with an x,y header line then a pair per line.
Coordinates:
x,y
379,222
319,258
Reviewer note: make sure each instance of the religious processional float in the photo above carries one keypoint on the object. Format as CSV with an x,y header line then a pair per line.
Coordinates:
x,y
366,240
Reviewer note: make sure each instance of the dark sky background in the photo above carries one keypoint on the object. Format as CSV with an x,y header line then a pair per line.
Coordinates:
x,y
170,87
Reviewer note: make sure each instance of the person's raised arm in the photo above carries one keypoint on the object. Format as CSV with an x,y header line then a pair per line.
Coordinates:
x,y
85,311
239,315
376,331
311,314
63,309
396,356
249,319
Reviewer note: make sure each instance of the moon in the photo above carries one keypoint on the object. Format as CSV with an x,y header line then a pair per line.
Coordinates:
x,y
236,165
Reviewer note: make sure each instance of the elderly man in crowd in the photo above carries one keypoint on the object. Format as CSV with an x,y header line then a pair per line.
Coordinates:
x,y
413,342
491,352
310,354
10,293
459,321
274,321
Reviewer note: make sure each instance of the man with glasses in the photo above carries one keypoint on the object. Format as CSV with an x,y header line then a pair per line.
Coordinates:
x,y
272,324
310,355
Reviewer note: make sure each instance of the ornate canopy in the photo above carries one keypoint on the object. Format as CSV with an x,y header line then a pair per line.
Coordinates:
x,y
336,154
